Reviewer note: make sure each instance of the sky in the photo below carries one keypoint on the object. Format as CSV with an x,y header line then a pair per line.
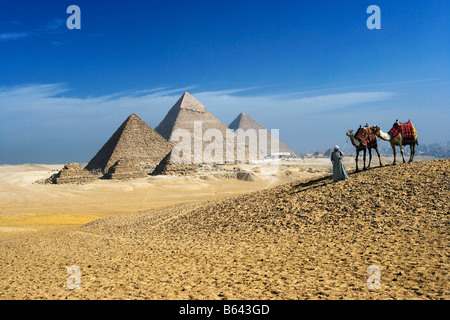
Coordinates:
x,y
312,69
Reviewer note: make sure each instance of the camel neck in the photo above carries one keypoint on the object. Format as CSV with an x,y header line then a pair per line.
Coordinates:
x,y
385,136
355,142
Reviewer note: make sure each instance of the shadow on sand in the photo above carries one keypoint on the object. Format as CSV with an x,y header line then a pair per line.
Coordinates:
x,y
328,179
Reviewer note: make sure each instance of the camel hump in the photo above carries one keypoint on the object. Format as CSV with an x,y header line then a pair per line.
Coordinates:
x,y
366,137
360,132
409,133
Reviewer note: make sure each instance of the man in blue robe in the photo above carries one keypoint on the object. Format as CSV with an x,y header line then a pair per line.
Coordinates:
x,y
339,172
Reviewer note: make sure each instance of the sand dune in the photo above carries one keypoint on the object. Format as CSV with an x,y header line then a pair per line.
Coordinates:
x,y
302,240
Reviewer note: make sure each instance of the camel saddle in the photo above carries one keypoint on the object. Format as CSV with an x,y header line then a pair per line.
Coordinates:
x,y
367,138
406,129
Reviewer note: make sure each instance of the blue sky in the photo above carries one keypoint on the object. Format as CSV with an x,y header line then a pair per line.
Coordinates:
x,y
309,68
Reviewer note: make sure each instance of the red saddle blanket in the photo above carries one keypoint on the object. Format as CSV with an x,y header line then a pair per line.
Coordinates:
x,y
406,129
366,137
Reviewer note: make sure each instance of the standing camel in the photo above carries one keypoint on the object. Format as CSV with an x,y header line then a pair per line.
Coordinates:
x,y
362,141
400,135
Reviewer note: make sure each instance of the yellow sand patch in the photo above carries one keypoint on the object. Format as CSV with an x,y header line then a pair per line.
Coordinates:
x,y
46,219
11,229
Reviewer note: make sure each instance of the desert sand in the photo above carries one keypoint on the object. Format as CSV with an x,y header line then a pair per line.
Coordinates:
x,y
293,234
26,205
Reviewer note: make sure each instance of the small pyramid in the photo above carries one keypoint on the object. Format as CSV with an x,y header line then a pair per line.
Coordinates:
x,y
125,169
183,114
72,173
134,140
244,121
168,167
328,153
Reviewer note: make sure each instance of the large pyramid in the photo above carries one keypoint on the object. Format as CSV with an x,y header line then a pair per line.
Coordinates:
x,y
184,115
245,122
133,141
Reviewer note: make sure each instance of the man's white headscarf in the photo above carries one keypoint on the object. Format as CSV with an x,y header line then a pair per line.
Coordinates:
x,y
336,147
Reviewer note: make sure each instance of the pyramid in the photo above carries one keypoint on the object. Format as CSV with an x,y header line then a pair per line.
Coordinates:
x,y
125,169
72,173
167,167
183,115
135,141
245,122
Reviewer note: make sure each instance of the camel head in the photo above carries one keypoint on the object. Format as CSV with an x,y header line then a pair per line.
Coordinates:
x,y
349,133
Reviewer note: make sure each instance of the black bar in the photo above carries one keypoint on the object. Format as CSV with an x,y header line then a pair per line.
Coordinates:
x,y
224,309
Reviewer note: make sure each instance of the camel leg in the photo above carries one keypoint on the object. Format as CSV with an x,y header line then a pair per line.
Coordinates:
x,y
370,157
356,160
413,151
364,160
395,153
403,154
379,158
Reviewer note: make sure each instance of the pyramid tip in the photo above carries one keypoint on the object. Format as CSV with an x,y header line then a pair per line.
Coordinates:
x,y
133,117
185,94
187,101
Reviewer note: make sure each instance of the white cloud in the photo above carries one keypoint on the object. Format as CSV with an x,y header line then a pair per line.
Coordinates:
x,y
13,36
51,28
50,98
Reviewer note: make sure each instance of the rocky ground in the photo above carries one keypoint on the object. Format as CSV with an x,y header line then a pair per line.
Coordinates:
x,y
303,240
